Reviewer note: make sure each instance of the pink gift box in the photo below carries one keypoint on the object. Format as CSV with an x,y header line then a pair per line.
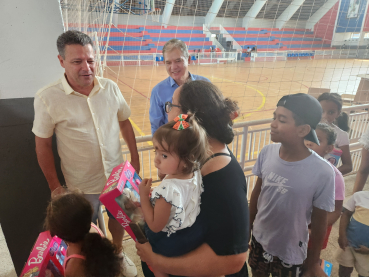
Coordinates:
x,y
121,196
47,257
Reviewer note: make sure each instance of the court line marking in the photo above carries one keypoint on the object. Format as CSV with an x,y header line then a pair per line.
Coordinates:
x,y
258,91
139,130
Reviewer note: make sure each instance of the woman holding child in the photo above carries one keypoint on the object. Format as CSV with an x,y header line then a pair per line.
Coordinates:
x,y
221,228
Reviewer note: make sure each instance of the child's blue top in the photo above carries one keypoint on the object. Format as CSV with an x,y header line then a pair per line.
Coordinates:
x,y
358,229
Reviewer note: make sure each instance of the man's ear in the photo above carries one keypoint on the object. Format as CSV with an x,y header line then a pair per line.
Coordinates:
x,y
61,60
303,130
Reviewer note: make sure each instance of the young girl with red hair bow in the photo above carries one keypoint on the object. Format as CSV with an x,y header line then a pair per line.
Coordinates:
x,y
181,146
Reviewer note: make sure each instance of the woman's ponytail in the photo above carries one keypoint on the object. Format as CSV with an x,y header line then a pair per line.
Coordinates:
x,y
101,256
343,122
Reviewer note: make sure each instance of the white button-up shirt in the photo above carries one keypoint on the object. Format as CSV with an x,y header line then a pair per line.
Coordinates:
x,y
86,128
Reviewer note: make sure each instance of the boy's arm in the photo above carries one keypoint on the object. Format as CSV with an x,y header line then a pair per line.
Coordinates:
x,y
363,172
344,222
318,231
334,216
201,262
130,139
254,202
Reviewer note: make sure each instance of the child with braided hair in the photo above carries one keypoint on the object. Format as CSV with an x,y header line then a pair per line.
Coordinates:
x,y
181,147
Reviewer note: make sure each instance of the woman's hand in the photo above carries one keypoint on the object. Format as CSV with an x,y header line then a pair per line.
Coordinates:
x,y
145,252
145,187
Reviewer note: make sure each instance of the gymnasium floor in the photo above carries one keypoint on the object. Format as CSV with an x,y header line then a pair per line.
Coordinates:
x,y
256,86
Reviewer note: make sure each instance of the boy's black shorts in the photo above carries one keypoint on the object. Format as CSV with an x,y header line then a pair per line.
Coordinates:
x,y
263,264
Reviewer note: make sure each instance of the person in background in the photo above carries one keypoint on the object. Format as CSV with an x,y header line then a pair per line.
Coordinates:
x,y
295,187
327,137
87,113
222,225
248,51
69,217
332,114
354,236
176,59
362,174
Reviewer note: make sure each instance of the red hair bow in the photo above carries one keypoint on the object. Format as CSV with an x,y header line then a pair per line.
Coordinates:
x,y
181,122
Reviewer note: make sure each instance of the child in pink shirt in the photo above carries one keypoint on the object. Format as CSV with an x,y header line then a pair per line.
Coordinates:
x,y
327,137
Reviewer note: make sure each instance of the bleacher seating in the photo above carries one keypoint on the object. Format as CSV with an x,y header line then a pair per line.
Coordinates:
x,y
134,40
272,39
151,39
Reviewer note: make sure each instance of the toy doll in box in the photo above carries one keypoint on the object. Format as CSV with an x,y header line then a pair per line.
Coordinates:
x,y
121,197
47,257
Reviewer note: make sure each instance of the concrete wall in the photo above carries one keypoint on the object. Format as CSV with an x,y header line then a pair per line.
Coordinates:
x,y
28,61
324,28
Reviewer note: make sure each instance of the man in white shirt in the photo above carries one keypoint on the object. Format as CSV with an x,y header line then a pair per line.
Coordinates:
x,y
86,113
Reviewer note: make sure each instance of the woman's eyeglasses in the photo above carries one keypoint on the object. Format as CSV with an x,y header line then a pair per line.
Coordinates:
x,y
169,105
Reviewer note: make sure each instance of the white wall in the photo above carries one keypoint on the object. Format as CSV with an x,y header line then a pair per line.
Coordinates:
x,y
28,54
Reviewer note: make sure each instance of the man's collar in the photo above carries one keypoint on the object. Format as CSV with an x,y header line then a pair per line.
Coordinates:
x,y
172,82
68,89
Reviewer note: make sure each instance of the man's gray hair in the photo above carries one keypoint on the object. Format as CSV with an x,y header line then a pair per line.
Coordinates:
x,y
176,43
71,37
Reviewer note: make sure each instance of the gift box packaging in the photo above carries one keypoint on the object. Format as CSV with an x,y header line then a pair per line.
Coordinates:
x,y
46,258
121,196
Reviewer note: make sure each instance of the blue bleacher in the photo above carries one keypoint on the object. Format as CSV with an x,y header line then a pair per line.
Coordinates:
x,y
192,47
174,31
254,39
183,39
298,39
306,45
292,32
122,38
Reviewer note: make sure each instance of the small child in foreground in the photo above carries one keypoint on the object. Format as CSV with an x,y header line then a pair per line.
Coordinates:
x,y
89,253
181,146
354,236
327,137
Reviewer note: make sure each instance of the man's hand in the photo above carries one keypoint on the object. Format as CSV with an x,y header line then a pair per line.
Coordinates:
x,y
59,190
145,187
136,165
145,252
362,250
313,271
342,242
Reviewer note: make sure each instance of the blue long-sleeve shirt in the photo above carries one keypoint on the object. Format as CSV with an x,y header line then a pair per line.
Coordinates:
x,y
160,94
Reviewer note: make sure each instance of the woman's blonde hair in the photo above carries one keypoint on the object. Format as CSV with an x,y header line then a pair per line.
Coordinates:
x,y
190,145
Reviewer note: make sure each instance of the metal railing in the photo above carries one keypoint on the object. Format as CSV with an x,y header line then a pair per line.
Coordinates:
x,y
252,136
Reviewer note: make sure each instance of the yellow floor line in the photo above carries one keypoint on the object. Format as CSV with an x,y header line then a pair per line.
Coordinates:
x,y
258,91
139,130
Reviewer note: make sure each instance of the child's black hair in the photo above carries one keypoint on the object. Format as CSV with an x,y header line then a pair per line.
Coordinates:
x,y
329,131
69,217
343,120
